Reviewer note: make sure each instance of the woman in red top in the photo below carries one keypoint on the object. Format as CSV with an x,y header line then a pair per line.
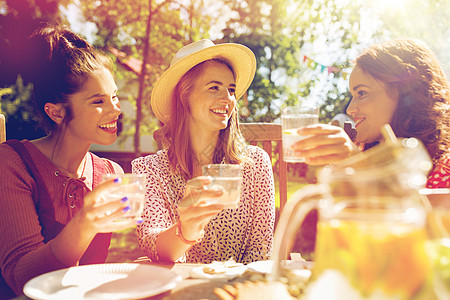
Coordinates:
x,y
400,83
50,216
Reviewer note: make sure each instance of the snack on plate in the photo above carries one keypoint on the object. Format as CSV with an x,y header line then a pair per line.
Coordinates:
x,y
219,270
214,269
220,267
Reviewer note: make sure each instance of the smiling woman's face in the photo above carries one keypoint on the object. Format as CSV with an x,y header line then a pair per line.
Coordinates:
x,y
372,105
212,99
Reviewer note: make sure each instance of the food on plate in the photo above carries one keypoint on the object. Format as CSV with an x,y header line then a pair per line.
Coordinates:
x,y
220,267
219,270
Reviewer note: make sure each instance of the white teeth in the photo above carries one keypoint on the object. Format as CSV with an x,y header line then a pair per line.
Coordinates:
x,y
109,125
219,111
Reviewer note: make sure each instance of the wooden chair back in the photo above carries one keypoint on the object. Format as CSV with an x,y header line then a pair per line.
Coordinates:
x,y
268,137
2,128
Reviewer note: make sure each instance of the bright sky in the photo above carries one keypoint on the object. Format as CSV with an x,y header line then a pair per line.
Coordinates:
x,y
77,22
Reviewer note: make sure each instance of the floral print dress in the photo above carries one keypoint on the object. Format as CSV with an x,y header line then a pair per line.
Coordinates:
x,y
244,234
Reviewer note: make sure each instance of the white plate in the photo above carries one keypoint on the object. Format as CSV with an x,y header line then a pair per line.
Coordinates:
x,y
266,266
102,281
227,271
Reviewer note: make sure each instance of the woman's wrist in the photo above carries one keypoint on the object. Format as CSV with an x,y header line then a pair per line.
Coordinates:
x,y
179,234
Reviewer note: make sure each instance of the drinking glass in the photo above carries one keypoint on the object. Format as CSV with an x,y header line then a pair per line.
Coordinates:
x,y
228,179
132,187
292,119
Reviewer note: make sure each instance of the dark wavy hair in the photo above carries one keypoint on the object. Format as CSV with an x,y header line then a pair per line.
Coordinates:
x,y
174,135
410,67
61,62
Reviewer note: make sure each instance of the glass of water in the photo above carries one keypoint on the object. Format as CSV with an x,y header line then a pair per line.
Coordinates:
x,y
228,179
293,118
132,187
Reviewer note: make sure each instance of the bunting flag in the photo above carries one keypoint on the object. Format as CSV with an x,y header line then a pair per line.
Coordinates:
x,y
312,64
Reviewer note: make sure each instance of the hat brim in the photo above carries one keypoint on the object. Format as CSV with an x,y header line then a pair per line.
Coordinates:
x,y
242,61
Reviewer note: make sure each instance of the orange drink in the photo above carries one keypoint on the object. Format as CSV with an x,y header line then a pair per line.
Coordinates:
x,y
375,252
371,234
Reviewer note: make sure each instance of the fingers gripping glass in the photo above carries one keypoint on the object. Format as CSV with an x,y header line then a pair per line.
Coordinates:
x,y
131,188
224,187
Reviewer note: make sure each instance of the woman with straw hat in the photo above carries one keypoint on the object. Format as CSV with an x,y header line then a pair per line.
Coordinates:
x,y
196,100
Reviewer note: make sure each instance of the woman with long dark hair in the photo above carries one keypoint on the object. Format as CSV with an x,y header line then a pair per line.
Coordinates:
x,y
401,83
52,216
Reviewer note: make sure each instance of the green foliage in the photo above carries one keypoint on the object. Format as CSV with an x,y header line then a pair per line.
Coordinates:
x,y
18,19
280,32
277,31
18,110
124,247
122,24
150,31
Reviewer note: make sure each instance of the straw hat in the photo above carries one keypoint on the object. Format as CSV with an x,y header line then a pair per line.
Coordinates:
x,y
241,58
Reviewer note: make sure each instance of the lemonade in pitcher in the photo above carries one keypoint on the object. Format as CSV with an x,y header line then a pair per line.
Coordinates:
x,y
371,234
379,254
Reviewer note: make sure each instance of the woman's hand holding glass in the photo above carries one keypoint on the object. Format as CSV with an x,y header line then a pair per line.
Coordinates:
x,y
194,211
326,144
104,216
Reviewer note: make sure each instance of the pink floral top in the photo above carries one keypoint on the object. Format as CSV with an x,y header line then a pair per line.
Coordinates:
x,y
440,175
244,233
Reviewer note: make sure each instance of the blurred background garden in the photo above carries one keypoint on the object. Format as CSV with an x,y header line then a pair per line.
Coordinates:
x,y
304,50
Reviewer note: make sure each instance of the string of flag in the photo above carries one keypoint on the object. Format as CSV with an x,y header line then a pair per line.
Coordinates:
x,y
312,64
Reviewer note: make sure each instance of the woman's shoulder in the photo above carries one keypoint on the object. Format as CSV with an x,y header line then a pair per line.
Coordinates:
x,y
444,161
17,161
157,160
9,154
256,153
439,177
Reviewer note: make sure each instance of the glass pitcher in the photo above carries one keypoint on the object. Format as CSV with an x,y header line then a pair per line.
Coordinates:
x,y
371,230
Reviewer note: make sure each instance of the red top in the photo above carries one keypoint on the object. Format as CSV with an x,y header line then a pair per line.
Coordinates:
x,y
23,252
439,177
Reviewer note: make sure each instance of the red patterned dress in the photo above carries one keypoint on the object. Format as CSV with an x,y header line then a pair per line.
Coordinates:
x,y
440,175
244,234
